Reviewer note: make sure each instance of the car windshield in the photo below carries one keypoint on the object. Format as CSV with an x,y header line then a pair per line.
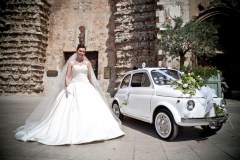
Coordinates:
x,y
164,77
175,74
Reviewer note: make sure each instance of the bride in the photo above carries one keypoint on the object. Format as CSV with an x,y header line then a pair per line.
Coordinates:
x,y
78,114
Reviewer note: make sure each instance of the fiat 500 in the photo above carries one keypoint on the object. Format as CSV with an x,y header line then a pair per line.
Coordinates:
x,y
146,94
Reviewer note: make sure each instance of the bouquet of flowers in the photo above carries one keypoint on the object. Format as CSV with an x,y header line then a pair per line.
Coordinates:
x,y
188,83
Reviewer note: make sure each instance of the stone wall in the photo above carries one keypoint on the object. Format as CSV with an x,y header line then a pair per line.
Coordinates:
x,y
196,6
97,18
135,35
36,34
23,36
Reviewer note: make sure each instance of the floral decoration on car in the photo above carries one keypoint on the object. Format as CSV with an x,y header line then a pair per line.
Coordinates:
x,y
188,83
219,111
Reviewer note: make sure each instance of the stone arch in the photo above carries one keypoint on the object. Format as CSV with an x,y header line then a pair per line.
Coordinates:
x,y
215,11
226,18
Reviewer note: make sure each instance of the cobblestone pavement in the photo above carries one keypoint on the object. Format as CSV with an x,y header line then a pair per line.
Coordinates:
x,y
140,142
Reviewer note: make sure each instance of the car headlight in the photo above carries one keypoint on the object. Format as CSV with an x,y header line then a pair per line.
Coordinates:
x,y
190,105
223,103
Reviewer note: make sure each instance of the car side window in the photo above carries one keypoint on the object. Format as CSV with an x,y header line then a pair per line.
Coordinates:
x,y
126,81
145,80
140,80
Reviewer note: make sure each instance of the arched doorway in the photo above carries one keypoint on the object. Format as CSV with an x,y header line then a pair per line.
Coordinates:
x,y
227,20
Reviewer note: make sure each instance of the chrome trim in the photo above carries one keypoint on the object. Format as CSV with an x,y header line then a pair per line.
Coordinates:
x,y
223,103
221,119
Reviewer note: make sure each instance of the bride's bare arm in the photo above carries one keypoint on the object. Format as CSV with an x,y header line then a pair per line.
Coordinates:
x,y
89,72
68,73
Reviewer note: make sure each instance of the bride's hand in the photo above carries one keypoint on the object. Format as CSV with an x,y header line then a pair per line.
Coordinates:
x,y
67,92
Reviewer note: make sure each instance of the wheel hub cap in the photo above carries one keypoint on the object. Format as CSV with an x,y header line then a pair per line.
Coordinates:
x,y
163,125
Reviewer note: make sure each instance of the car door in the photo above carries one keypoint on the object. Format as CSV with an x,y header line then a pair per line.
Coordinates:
x,y
141,91
123,94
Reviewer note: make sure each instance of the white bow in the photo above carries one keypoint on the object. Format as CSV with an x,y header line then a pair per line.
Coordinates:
x,y
208,93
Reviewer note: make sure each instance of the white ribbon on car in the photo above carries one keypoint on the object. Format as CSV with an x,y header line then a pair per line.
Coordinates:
x,y
208,93
126,96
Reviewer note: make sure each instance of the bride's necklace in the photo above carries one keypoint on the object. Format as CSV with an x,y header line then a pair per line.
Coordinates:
x,y
79,60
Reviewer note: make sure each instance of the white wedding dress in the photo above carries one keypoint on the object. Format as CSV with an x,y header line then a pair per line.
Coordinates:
x,y
78,117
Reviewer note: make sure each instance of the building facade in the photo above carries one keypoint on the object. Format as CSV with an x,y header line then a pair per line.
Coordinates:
x,y
38,36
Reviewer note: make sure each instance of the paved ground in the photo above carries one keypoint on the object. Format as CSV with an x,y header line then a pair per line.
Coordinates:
x,y
139,143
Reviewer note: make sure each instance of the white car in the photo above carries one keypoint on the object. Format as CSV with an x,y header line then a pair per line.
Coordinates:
x,y
146,94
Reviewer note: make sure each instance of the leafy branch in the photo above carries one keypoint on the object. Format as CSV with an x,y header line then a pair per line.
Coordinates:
x,y
198,38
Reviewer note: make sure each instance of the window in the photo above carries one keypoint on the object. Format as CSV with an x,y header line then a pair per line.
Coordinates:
x,y
125,82
140,80
158,78
145,80
161,79
173,73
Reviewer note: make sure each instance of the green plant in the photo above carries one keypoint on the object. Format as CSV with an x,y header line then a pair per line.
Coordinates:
x,y
204,72
199,38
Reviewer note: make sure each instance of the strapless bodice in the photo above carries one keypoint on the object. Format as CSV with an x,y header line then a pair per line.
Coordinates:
x,y
79,73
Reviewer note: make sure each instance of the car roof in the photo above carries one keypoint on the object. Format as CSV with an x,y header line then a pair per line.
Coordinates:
x,y
149,69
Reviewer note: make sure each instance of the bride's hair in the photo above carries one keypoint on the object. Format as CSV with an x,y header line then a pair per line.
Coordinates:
x,y
81,46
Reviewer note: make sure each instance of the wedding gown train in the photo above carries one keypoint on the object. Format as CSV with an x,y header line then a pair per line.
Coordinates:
x,y
78,117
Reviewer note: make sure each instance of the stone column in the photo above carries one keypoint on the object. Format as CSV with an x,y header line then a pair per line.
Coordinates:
x,y
135,35
23,36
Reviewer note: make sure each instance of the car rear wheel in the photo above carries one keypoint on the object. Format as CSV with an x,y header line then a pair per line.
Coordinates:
x,y
165,125
116,111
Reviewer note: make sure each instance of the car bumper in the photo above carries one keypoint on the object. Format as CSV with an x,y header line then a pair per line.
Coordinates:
x,y
202,121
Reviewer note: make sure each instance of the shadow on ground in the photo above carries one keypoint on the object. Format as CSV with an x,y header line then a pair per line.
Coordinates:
x,y
184,134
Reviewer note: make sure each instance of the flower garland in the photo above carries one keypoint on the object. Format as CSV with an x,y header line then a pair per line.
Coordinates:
x,y
219,111
188,83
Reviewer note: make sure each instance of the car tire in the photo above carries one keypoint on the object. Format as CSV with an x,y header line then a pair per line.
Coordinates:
x,y
208,129
116,111
169,130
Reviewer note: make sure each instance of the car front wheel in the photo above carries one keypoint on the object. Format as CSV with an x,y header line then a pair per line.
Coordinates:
x,y
117,111
165,125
